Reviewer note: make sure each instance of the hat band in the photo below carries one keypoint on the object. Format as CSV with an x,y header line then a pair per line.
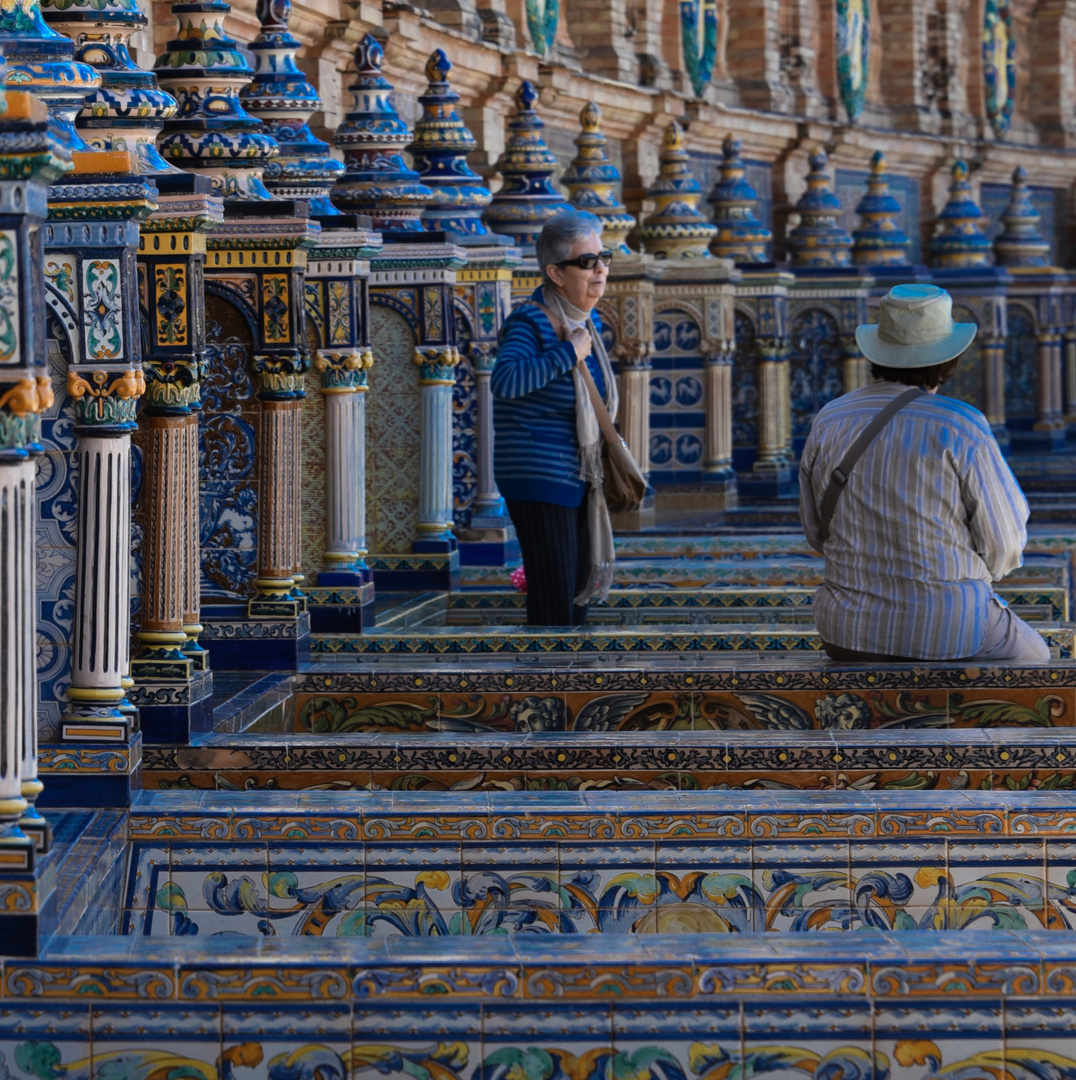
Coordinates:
x,y
915,337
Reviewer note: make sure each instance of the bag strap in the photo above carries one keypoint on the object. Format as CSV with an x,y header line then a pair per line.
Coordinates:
x,y
554,319
839,476
605,421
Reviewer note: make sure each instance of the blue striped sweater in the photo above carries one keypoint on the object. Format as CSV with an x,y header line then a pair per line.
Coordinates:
x,y
535,449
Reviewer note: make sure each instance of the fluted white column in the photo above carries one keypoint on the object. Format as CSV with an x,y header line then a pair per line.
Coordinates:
x,y
774,426
344,390
102,623
718,448
436,379
18,686
1050,402
633,420
191,529
1070,376
488,509
992,353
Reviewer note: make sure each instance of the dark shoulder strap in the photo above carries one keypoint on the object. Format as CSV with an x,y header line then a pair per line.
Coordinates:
x,y
839,476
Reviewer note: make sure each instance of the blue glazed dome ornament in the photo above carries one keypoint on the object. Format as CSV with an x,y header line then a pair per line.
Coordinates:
x,y
879,240
960,243
283,100
439,152
128,110
376,180
592,180
212,134
1020,243
740,234
676,229
527,199
42,61
818,241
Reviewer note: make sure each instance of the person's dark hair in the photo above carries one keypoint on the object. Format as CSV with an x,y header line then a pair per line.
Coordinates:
x,y
926,377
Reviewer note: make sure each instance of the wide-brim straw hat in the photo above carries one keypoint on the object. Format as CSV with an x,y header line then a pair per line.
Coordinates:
x,y
915,329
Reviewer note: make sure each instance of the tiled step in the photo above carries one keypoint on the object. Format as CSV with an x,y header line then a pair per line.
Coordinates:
x,y
623,693
883,760
697,569
725,603
406,865
509,640
873,1004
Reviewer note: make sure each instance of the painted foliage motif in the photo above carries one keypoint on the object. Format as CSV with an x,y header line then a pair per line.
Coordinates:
x,y
227,425
745,394
999,64
675,1058
853,54
464,424
542,19
444,901
1021,367
816,366
9,298
102,309
698,34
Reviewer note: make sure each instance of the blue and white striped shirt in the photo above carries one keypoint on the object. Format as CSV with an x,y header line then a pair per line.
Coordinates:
x,y
535,448
931,515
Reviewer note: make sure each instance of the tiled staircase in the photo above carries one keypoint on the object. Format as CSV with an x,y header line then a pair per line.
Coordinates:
x,y
642,858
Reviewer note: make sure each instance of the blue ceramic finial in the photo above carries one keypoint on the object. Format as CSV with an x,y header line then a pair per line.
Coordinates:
x,y
818,240
280,96
377,181
1020,243
592,180
879,240
527,199
676,229
740,234
960,243
439,152
212,133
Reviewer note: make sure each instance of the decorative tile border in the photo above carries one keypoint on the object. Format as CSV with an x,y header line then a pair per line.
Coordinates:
x,y
596,816
87,758
825,971
611,673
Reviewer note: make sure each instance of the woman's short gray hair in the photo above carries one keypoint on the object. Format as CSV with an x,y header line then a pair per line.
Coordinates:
x,y
560,232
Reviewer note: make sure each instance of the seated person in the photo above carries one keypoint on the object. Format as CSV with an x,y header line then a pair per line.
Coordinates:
x,y
930,514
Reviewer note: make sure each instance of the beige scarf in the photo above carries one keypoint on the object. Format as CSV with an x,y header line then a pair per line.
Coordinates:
x,y
588,434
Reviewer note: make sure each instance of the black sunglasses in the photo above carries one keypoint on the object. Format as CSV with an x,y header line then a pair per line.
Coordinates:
x,y
589,260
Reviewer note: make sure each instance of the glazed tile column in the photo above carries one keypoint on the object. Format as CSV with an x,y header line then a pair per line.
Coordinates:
x,y
104,381
1050,417
774,419
343,386
1070,376
992,354
18,697
717,453
437,376
633,422
489,506
279,479
31,150
416,271
439,152
258,255
172,683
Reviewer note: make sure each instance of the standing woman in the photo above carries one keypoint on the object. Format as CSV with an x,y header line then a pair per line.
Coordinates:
x,y
547,446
